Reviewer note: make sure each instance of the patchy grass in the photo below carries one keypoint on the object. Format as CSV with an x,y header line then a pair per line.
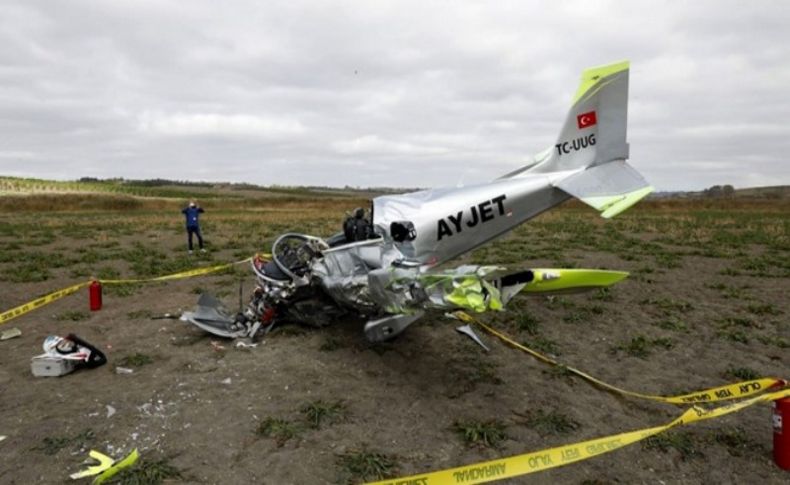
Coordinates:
x,y
560,372
734,335
365,465
738,322
741,373
559,302
146,472
671,323
668,306
330,344
108,273
736,442
469,370
641,347
542,344
780,342
680,441
603,294
527,322
281,430
28,272
763,309
320,412
575,317
51,445
551,422
72,316
140,315
488,434
122,290
135,360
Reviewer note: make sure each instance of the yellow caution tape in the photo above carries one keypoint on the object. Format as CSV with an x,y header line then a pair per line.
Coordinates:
x,y
8,315
562,455
176,276
730,391
537,461
39,302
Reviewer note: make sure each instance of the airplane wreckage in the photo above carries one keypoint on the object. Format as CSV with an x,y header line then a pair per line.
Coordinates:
x,y
388,270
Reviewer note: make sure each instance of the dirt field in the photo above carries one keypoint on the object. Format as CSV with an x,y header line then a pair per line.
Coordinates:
x,y
706,304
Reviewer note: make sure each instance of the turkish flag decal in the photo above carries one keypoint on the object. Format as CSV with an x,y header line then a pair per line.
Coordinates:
x,y
585,120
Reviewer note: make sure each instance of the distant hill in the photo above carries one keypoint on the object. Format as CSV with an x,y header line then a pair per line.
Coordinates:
x,y
727,191
179,189
773,192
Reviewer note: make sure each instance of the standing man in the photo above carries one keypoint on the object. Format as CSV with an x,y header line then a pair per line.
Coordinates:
x,y
192,213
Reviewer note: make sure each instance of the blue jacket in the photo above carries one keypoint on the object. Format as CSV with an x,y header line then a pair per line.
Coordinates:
x,y
192,214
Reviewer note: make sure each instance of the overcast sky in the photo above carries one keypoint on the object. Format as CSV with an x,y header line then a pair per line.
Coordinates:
x,y
372,93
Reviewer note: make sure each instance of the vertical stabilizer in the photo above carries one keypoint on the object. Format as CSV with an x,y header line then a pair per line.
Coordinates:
x,y
594,131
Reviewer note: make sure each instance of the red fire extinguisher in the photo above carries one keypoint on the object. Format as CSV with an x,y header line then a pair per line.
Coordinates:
x,y
94,294
781,421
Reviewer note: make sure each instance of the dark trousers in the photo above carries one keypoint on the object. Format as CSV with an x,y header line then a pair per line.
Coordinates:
x,y
196,231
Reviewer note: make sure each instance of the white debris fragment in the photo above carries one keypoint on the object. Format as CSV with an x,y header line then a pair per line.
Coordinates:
x,y
226,381
9,334
3,437
110,411
123,370
245,345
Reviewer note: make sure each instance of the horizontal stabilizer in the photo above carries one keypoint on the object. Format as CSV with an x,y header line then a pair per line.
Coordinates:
x,y
610,188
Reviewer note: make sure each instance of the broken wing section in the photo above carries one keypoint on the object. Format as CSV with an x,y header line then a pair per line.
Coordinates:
x,y
476,288
610,188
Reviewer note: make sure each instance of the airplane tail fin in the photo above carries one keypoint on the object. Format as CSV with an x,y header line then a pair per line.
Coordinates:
x,y
588,159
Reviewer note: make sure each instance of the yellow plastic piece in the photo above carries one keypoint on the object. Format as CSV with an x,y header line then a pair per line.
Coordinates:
x,y
591,76
105,462
130,460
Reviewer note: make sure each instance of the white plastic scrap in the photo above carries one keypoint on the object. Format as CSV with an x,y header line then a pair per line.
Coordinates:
x,y
110,411
11,333
244,345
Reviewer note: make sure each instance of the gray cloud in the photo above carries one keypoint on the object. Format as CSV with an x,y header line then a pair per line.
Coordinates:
x,y
384,93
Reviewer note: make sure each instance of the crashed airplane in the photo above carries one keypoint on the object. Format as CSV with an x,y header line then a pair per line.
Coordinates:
x,y
388,270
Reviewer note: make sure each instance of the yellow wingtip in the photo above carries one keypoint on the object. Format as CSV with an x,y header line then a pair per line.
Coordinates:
x,y
592,75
